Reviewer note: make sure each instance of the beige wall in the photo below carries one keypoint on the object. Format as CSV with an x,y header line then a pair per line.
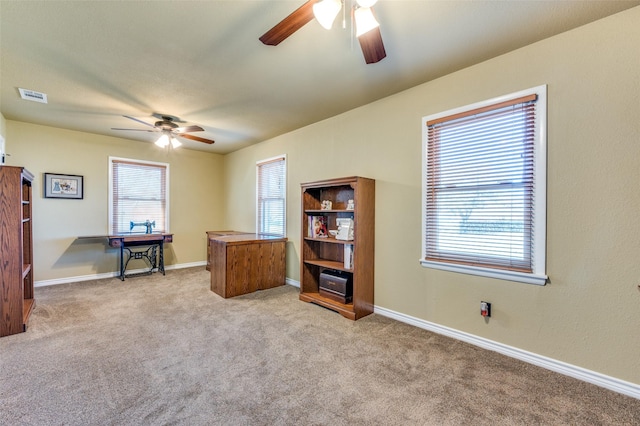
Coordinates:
x,y
196,191
589,313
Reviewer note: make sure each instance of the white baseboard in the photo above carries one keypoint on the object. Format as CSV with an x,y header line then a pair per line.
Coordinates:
x,y
611,383
67,280
291,282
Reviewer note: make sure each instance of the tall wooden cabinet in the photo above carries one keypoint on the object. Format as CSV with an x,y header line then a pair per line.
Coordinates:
x,y
16,250
327,254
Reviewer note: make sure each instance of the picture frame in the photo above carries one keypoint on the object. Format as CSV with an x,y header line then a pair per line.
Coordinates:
x,y
63,186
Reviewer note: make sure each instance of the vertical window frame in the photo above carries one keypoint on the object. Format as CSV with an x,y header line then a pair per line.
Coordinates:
x,y
259,199
538,274
165,227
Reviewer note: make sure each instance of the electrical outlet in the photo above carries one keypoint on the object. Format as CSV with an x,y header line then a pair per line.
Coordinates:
x,y
485,309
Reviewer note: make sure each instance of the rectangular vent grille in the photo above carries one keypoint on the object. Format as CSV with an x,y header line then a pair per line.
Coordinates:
x,y
32,95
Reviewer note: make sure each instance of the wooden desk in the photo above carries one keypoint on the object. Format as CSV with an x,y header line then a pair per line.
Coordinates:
x,y
242,263
153,241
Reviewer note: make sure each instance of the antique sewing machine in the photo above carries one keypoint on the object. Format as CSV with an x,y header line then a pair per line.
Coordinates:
x,y
147,224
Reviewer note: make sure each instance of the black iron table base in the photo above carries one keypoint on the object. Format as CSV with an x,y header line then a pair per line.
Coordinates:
x,y
153,255
149,255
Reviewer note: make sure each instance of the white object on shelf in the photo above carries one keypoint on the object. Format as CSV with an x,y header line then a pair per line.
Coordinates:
x,y
345,229
348,256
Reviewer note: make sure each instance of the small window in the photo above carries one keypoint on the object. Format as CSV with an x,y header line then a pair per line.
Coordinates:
x,y
138,192
271,194
484,188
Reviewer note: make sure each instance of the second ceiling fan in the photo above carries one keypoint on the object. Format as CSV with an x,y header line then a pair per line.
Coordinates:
x,y
169,130
325,11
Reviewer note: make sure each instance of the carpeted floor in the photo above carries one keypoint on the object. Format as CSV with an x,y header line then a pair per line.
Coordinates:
x,y
164,350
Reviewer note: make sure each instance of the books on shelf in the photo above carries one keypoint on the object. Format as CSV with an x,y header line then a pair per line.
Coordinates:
x,y
318,227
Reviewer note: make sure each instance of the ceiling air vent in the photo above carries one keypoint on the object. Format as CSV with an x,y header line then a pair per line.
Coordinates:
x,y
32,95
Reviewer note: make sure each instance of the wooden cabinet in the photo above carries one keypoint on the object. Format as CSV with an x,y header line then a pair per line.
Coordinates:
x,y
243,263
16,250
328,253
218,234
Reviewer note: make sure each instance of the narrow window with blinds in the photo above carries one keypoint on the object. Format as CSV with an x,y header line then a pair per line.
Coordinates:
x,y
484,189
271,196
138,192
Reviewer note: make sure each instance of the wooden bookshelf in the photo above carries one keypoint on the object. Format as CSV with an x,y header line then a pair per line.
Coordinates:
x,y
16,250
320,254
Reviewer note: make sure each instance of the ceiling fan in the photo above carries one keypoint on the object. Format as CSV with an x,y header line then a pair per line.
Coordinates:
x,y
325,11
169,129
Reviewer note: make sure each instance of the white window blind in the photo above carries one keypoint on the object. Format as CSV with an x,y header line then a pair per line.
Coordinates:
x,y
482,180
139,192
271,196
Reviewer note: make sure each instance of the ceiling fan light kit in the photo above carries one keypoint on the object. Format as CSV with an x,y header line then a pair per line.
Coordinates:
x,y
165,140
162,141
325,12
175,143
365,21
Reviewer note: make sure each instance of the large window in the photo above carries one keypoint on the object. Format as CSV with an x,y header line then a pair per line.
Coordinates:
x,y
271,196
138,192
484,188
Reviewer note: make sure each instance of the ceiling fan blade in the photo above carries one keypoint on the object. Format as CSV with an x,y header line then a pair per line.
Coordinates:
x,y
188,129
372,46
289,25
139,121
135,130
195,138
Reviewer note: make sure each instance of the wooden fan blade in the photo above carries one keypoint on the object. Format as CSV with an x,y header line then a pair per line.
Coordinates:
x,y
135,130
372,46
289,25
139,121
188,129
195,138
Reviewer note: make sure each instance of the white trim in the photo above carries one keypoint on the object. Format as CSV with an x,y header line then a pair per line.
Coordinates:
x,y
540,173
292,282
538,276
487,272
593,377
68,280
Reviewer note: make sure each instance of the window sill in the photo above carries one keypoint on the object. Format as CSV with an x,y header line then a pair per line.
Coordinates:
x,y
485,272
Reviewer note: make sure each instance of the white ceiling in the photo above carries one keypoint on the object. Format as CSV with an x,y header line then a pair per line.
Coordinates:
x,y
202,60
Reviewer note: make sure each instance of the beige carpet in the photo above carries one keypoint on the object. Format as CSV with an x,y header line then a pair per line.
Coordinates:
x,y
165,350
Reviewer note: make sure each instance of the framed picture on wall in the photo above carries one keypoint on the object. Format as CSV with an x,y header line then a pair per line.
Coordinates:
x,y
63,186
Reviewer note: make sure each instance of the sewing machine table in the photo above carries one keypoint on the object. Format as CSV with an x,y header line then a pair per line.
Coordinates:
x,y
154,241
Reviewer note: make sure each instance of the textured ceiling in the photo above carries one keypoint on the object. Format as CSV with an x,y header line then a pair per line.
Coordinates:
x,y
202,61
